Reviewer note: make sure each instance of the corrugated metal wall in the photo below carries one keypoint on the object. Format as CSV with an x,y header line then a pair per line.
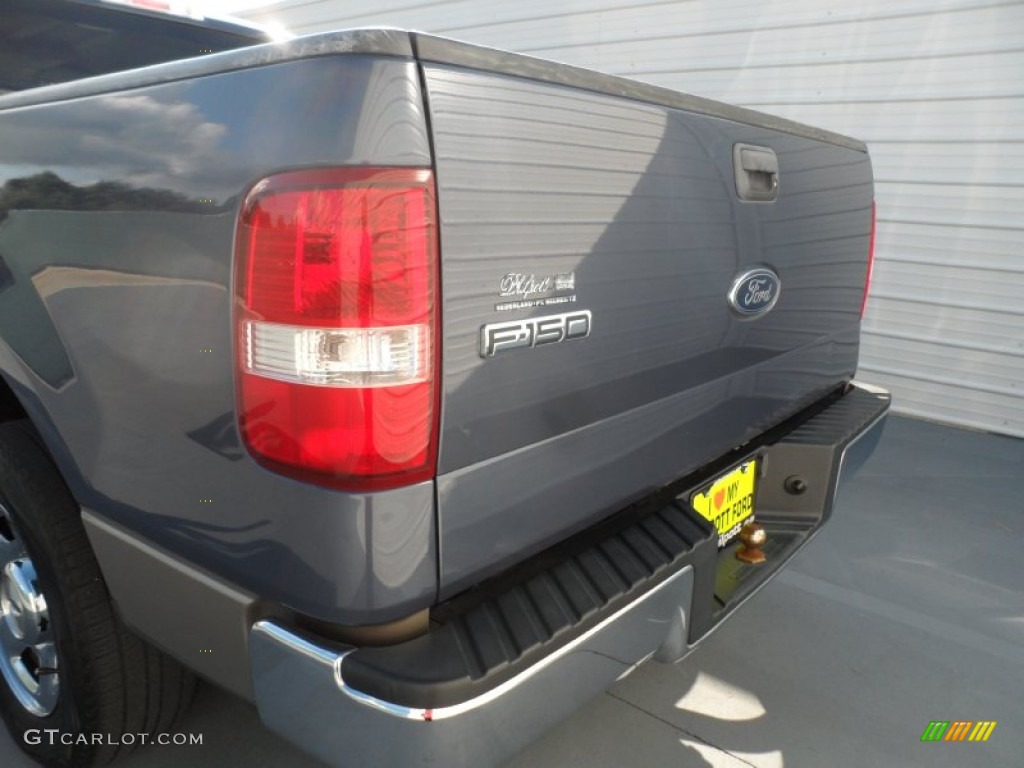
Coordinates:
x,y
936,88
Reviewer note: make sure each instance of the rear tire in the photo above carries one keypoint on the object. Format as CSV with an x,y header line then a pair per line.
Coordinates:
x,y
70,664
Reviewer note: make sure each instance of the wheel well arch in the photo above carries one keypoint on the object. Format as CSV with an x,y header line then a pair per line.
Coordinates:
x,y
10,406
18,402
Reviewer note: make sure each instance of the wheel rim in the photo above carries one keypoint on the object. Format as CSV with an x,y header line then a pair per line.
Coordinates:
x,y
28,653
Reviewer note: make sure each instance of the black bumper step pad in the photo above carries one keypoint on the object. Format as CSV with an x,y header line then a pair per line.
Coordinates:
x,y
489,635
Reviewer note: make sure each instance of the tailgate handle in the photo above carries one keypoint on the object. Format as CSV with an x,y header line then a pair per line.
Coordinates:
x,y
757,172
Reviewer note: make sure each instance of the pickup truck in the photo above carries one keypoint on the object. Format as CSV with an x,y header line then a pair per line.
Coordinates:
x,y
413,391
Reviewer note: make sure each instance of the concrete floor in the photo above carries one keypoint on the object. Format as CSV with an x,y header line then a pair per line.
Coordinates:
x,y
909,607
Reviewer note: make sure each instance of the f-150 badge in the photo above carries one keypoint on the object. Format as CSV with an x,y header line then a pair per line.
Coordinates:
x,y
755,292
534,332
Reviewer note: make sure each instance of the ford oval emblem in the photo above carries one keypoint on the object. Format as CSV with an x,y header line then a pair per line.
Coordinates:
x,y
755,292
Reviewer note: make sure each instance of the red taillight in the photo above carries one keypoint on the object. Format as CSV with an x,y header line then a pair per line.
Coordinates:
x,y
871,262
336,324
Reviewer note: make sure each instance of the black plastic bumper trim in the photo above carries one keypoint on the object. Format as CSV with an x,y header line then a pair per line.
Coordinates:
x,y
485,639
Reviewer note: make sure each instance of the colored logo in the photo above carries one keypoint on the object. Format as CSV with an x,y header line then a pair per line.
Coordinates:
x,y
755,292
958,730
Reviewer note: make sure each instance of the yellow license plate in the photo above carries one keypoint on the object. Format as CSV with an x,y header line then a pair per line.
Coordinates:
x,y
729,502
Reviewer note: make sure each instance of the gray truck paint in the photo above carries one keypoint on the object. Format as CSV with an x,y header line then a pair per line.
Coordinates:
x,y
638,201
189,613
380,42
106,314
425,48
441,50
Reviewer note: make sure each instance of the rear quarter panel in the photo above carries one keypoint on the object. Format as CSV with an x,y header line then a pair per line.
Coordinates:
x,y
116,239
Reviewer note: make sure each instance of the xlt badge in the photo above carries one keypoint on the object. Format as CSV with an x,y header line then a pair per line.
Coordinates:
x,y
534,332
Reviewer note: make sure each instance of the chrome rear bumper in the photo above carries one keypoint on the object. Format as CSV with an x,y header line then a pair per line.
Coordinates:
x,y
301,691
302,695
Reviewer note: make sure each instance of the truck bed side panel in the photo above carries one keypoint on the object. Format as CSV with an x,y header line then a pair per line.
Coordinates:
x,y
116,240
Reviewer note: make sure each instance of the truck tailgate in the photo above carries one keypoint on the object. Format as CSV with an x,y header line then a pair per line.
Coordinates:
x,y
560,200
